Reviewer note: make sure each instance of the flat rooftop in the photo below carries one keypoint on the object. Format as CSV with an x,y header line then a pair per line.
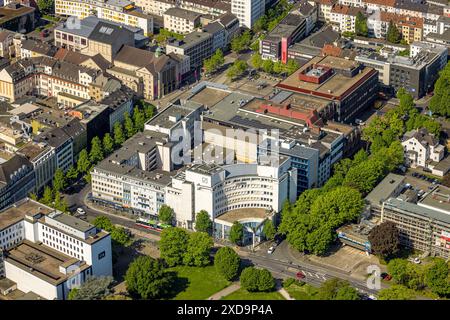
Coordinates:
x,y
41,261
438,198
16,213
244,214
385,189
170,116
71,221
8,13
209,96
335,87
418,210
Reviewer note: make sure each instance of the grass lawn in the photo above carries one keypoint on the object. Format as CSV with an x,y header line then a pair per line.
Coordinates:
x,y
243,294
304,292
196,283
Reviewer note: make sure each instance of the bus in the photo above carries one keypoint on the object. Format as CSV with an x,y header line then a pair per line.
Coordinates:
x,y
151,224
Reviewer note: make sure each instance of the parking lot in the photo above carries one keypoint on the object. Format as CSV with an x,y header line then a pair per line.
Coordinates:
x,y
420,182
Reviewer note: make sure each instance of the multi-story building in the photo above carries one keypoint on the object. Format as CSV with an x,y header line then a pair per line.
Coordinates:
x,y
62,144
120,11
275,45
149,74
196,45
324,8
78,39
421,228
417,73
17,180
214,8
180,20
18,18
248,11
422,148
350,85
42,157
31,48
411,28
7,49
343,17
134,177
309,12
48,77
222,31
48,252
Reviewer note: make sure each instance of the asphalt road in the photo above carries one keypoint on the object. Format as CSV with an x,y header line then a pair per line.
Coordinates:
x,y
280,264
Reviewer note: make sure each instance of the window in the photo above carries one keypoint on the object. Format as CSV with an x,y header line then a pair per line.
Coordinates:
x,y
101,255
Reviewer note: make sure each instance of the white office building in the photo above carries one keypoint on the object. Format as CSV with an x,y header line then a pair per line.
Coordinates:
x,y
48,252
248,11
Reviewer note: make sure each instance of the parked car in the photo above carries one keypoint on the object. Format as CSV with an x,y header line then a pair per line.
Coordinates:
x,y
417,261
81,211
271,250
300,275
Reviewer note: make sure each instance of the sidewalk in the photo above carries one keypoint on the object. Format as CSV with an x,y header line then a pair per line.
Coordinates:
x,y
224,292
282,291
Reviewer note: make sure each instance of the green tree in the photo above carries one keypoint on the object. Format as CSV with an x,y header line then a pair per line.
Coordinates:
x,y
203,222
365,176
236,233
267,66
336,289
249,279
385,239
94,288
83,163
278,67
165,214
108,144
266,282
242,42
96,153
120,236
393,35
398,269
33,196
173,245
440,102
102,222
149,110
269,230
72,173
59,203
256,61
361,25
291,66
128,125
146,278
237,69
119,137
198,249
260,24
59,181
396,292
45,6
138,119
437,277
227,262
47,197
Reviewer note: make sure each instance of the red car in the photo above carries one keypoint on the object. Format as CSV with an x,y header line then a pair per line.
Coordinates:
x,y
300,275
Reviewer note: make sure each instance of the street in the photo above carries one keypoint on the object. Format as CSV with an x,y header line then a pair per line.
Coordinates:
x,y
283,265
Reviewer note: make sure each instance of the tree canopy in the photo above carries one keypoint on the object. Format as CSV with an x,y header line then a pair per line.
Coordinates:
x,y
165,214
198,249
94,288
385,239
257,280
269,230
203,222
361,28
173,245
396,292
227,262
440,102
336,289
146,278
437,277
236,232
393,35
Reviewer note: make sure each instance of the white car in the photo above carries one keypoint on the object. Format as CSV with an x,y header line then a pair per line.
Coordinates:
x,y
81,211
417,261
270,251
